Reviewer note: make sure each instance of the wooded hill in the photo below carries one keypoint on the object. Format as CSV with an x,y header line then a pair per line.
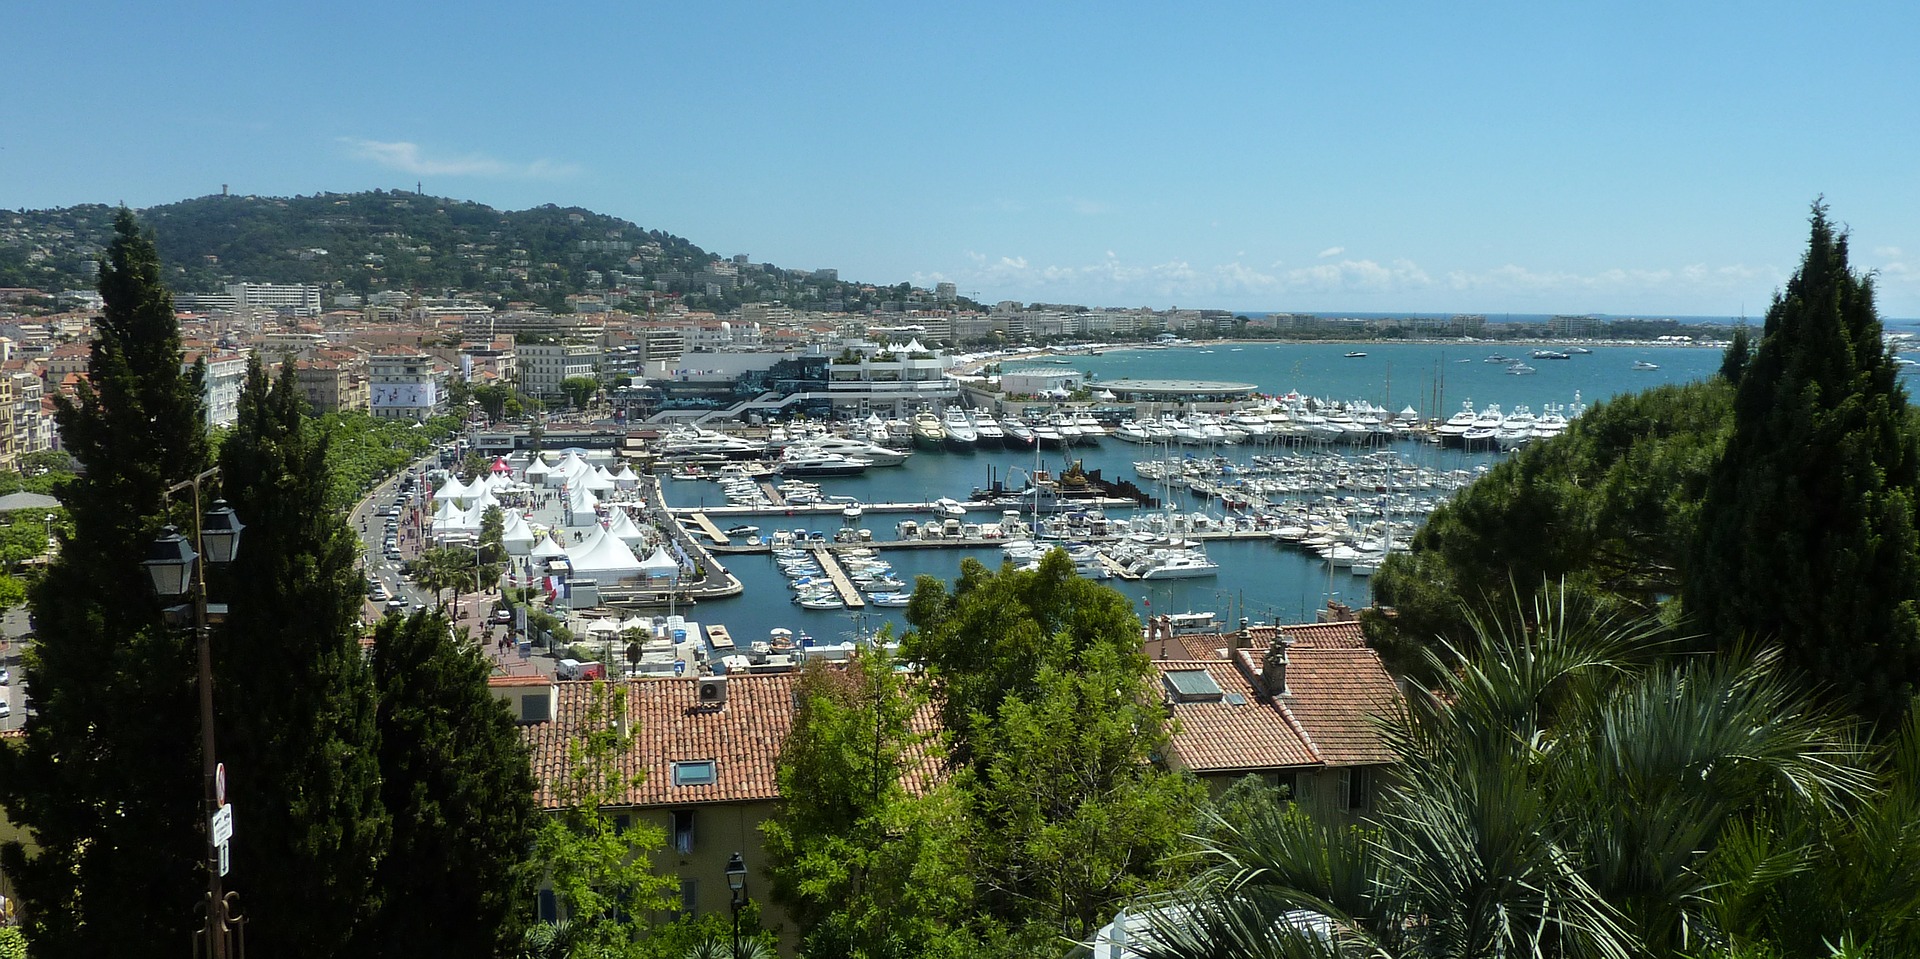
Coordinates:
x,y
386,240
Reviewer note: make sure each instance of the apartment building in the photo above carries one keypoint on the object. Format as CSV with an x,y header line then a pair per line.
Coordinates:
x,y
226,377
404,386
543,366
334,381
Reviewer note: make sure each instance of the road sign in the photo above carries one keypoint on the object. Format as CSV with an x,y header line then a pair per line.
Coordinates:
x,y
220,784
225,860
223,825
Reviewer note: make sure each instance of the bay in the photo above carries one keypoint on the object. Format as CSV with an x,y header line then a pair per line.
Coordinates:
x,y
1258,579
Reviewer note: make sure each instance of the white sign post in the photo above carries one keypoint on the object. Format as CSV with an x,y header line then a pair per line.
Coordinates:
x,y
222,825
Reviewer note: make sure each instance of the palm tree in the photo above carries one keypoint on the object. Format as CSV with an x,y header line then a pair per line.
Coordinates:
x,y
1565,791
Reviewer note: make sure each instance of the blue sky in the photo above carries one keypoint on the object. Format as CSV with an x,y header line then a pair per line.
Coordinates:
x,y
1627,158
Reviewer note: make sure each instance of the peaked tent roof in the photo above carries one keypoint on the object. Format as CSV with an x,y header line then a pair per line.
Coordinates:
x,y
603,555
451,489
538,467
624,529
547,547
659,563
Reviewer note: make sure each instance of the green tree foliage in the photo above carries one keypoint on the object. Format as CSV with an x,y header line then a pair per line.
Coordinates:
x,y
109,776
1052,723
1608,508
598,867
454,777
1807,531
296,702
579,390
363,450
866,869
1566,790
493,526
1733,364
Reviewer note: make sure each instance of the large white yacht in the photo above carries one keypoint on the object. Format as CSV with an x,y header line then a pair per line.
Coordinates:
x,y
871,452
961,437
991,435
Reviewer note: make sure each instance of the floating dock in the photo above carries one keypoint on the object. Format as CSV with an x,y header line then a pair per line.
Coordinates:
x,y
837,575
773,495
711,531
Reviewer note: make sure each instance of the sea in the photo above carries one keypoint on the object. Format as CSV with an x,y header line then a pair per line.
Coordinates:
x,y
1258,579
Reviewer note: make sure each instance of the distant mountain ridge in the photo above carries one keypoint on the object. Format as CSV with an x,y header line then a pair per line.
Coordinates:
x,y
386,240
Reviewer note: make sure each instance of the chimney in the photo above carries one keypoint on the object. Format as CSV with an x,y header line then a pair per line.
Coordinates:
x,y
1273,672
1239,641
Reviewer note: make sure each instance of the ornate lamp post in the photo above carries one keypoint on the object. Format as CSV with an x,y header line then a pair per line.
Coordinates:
x,y
177,568
737,883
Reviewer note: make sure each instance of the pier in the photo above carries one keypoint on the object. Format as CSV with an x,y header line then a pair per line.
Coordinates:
x,y
834,509
842,583
711,531
773,495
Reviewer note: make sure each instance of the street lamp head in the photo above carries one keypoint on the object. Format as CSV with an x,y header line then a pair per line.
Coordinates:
x,y
736,873
220,533
170,563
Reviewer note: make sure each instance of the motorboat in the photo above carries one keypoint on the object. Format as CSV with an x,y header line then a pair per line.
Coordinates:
x,y
960,436
1551,355
804,463
1019,435
947,507
1355,354
892,599
927,431
1521,369
1090,429
991,434
1644,365
1048,436
1132,432
866,450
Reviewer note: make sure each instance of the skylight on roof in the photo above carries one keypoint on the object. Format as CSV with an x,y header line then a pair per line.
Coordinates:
x,y
701,773
1192,686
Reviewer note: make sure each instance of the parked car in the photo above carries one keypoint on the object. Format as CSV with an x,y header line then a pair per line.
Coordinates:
x,y
5,677
397,605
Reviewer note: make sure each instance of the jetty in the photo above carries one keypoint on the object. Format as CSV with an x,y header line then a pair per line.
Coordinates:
x,y
837,575
709,530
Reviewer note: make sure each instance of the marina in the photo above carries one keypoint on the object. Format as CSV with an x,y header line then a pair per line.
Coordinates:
x,y
1287,493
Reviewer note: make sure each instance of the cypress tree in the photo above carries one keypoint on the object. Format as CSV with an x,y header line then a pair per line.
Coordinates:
x,y
1807,528
109,777
295,694
456,781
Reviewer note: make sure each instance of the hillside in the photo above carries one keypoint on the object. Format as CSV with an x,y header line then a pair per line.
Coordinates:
x,y
367,242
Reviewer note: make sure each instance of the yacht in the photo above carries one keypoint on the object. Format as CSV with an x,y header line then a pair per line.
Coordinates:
x,y
1132,432
1176,564
1578,349
988,429
1456,427
1070,433
1048,435
1551,355
800,462
1644,365
871,452
927,431
960,435
1521,369
1090,429
1355,354
1019,435
1516,429
694,441
1484,427
947,507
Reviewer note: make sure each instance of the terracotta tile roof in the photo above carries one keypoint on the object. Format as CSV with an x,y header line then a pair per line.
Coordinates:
x,y
1345,635
1335,694
1251,734
521,680
742,738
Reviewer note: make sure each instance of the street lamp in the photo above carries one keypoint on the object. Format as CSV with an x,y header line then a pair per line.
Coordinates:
x,y
737,883
174,564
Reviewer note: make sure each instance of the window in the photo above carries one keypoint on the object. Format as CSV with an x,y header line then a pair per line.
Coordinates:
x,y
689,895
1353,788
549,906
700,773
533,708
683,831
1288,784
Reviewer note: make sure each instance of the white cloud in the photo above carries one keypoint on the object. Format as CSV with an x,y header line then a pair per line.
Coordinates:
x,y
1334,282
1332,251
1890,252
410,158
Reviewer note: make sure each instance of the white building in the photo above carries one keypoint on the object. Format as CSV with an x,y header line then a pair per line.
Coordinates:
x,y
543,366
298,299
404,386
220,394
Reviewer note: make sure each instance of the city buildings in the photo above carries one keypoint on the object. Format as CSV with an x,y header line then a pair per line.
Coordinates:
x,y
405,386
544,366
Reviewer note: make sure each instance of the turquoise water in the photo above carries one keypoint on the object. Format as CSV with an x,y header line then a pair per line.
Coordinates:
x,y
1258,578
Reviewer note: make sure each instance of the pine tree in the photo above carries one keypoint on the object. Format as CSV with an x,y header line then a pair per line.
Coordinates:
x,y
456,782
1808,529
295,696
109,777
